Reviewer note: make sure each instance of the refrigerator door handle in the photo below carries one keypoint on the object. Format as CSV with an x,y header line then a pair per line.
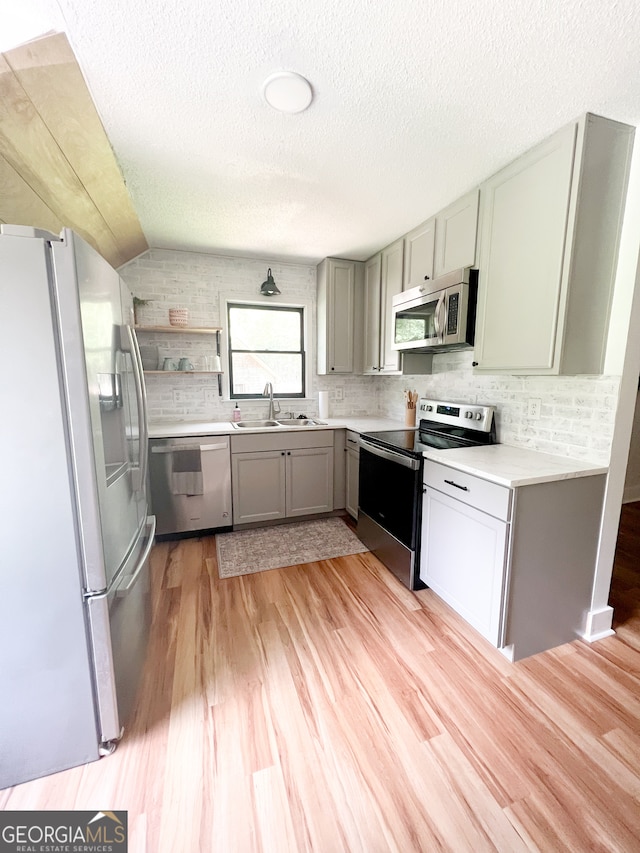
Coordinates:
x,y
129,344
150,532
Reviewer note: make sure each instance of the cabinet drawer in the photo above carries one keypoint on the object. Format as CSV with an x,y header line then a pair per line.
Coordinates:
x,y
353,441
474,491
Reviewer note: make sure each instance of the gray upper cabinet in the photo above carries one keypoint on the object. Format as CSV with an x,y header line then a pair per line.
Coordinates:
x,y
382,281
456,235
372,271
550,229
337,283
419,248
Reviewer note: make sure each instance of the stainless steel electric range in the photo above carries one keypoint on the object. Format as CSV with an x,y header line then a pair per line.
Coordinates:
x,y
391,463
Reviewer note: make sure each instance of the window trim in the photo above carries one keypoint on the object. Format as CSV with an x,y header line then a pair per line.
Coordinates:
x,y
277,302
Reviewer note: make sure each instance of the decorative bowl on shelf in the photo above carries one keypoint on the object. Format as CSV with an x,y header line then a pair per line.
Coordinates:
x,y
178,316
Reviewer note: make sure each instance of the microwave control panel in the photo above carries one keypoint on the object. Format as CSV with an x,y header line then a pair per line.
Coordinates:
x,y
452,314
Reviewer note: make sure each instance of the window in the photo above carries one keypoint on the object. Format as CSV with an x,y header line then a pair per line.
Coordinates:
x,y
266,344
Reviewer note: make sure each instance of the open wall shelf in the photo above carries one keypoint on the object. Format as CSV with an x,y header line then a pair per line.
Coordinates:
x,y
186,330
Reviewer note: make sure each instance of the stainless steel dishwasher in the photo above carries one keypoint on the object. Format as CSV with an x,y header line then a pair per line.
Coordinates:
x,y
191,483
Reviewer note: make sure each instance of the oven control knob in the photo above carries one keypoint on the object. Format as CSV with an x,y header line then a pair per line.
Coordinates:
x,y
468,414
427,408
478,416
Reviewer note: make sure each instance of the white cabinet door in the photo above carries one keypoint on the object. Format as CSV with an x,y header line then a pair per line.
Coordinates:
x,y
391,284
372,269
456,235
463,559
309,481
524,221
419,246
336,316
258,486
353,476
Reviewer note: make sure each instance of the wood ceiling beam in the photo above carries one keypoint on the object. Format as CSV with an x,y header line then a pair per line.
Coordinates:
x,y
52,138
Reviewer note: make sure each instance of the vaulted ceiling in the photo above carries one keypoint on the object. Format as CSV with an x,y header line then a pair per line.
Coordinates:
x,y
414,103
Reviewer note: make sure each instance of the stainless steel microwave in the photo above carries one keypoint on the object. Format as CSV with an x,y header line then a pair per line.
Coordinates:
x,y
437,316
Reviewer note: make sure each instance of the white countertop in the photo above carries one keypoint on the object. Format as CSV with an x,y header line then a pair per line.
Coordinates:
x,y
513,466
184,429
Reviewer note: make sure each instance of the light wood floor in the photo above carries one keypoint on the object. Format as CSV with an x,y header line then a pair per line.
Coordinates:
x,y
326,708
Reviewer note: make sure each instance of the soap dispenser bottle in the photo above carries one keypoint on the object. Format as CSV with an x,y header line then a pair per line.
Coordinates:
x,y
236,414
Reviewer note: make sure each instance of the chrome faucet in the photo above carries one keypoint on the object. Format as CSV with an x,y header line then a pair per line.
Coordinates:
x,y
268,392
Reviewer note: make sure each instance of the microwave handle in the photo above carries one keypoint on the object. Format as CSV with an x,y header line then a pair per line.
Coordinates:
x,y
443,333
436,319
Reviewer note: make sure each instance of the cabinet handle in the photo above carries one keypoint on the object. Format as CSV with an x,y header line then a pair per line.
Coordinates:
x,y
474,363
426,278
462,488
333,368
283,453
288,453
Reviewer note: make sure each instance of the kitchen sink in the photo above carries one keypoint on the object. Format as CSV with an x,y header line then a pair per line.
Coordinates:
x,y
300,422
254,424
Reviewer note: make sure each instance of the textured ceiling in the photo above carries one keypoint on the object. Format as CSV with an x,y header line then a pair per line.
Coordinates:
x,y
415,102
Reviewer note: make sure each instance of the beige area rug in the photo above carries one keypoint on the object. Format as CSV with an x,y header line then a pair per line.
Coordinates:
x,y
247,551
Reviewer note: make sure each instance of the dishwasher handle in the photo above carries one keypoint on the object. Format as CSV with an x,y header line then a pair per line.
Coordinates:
x,y
173,448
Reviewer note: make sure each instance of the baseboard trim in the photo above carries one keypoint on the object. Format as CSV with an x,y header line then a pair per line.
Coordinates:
x,y
598,625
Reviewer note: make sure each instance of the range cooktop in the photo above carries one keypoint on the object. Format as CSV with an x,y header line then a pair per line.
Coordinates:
x,y
444,426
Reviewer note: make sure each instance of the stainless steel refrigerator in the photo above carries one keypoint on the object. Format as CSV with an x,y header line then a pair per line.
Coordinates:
x,y
75,533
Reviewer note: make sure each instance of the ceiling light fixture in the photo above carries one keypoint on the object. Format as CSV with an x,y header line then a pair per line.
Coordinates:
x,y
287,91
269,287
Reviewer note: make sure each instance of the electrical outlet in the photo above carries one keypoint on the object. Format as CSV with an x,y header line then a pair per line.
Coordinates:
x,y
339,392
533,410
211,396
180,396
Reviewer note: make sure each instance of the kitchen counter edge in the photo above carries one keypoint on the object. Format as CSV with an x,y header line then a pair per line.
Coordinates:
x,y
186,429
511,466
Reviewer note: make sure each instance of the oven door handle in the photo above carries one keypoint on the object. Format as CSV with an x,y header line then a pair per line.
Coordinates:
x,y
399,458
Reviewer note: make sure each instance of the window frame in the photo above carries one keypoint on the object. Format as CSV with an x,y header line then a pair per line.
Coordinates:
x,y
302,309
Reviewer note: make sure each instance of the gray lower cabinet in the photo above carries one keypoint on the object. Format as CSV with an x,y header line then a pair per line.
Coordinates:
x,y
517,564
352,473
258,484
309,481
281,476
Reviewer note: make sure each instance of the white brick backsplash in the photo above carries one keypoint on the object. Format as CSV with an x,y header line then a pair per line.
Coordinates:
x,y
576,415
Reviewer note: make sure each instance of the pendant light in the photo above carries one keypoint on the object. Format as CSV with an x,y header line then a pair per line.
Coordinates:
x,y
269,287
